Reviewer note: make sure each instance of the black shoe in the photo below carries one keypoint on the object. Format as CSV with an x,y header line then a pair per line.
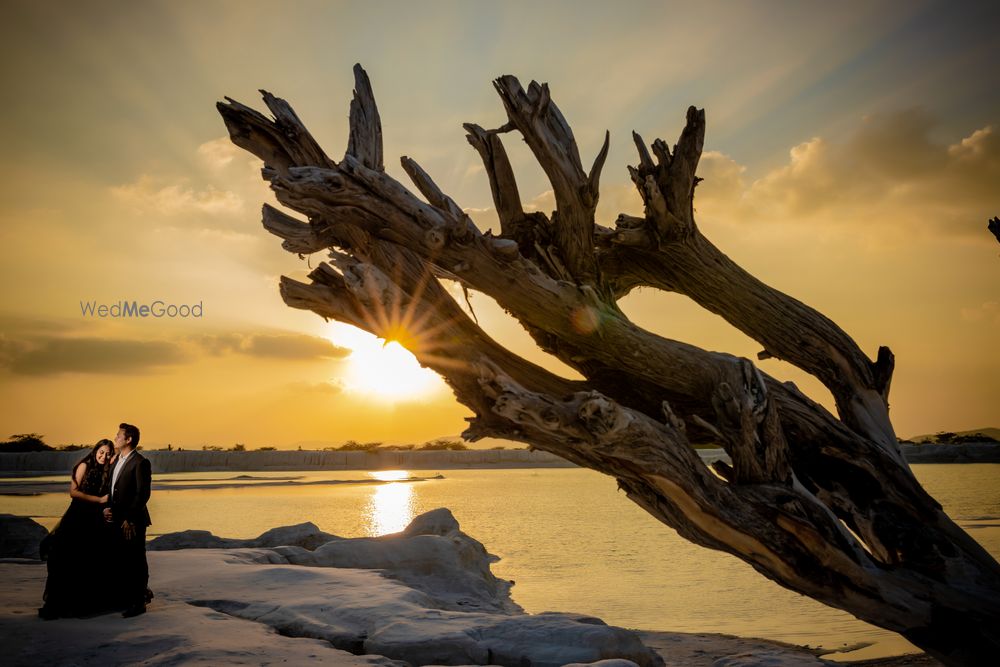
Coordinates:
x,y
134,610
47,613
149,596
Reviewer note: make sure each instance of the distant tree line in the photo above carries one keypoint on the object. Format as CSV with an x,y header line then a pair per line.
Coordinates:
x,y
440,444
947,438
25,442
34,442
355,446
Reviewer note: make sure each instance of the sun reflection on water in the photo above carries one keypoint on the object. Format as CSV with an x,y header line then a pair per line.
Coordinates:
x,y
390,475
390,507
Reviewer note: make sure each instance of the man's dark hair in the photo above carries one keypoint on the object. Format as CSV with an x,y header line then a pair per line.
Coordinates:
x,y
131,433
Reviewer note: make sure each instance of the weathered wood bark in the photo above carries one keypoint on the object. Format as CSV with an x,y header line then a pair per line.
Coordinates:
x,y
825,506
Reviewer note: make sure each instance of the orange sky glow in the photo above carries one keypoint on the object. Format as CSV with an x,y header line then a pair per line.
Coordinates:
x,y
852,160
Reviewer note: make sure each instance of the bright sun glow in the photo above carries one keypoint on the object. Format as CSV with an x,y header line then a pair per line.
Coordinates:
x,y
385,371
389,475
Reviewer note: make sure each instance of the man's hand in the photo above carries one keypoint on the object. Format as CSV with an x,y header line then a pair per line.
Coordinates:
x,y
107,514
128,529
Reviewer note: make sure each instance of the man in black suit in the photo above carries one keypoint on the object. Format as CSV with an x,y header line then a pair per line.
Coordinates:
x,y
130,485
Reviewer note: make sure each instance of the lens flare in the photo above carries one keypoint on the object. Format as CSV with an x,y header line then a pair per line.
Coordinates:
x,y
383,369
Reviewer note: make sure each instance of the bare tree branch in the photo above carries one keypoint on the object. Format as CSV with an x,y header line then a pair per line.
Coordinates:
x,y
823,506
673,255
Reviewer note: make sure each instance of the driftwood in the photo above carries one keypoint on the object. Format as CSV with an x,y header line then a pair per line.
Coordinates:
x,y
824,505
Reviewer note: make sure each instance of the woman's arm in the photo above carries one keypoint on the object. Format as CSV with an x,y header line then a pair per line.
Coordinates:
x,y
74,486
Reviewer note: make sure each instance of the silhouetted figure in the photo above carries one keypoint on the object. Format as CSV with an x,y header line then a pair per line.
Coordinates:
x,y
131,479
78,550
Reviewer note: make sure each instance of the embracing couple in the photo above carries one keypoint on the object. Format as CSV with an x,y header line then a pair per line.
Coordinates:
x,y
97,553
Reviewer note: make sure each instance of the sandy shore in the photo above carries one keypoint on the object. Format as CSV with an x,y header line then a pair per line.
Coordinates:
x,y
296,595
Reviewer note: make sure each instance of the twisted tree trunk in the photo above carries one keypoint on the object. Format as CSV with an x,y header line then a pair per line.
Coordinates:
x,y
825,506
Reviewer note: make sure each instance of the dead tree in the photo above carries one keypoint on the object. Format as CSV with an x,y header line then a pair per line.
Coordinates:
x,y
823,505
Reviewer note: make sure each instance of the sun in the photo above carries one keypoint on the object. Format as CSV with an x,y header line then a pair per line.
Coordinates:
x,y
380,369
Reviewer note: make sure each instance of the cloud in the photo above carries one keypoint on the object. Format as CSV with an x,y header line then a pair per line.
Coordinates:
x,y
29,347
808,183
273,346
218,344
887,174
147,196
219,153
474,169
329,388
293,346
985,313
29,326
975,145
724,177
544,202
894,146
52,356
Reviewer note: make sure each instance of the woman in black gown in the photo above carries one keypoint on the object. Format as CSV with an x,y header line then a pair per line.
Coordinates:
x,y
77,549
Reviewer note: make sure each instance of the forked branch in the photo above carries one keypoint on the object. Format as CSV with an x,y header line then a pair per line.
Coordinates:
x,y
823,506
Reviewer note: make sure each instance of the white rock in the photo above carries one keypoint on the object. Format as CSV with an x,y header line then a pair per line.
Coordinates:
x,y
306,535
363,611
170,633
438,521
423,596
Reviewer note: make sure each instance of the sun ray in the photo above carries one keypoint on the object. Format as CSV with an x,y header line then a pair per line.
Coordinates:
x,y
383,369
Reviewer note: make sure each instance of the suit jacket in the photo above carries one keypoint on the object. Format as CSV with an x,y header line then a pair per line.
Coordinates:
x,y
131,491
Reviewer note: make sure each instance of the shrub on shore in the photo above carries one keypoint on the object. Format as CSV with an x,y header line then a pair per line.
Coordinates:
x,y
25,442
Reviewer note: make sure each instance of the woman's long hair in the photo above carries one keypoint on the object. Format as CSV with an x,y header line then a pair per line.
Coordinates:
x,y
93,466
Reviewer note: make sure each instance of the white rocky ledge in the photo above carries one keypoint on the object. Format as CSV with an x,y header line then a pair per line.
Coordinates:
x,y
424,596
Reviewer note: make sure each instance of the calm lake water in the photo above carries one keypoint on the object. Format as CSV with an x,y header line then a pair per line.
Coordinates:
x,y
568,538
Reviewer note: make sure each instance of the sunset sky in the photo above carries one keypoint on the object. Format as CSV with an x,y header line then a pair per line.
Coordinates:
x,y
852,160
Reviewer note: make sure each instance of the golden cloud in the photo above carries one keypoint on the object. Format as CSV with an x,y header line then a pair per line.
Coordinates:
x,y
145,195
888,173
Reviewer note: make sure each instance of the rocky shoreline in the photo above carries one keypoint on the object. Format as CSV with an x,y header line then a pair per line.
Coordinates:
x,y
298,595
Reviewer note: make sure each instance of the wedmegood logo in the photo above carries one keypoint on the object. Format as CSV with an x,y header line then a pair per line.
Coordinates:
x,y
124,309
